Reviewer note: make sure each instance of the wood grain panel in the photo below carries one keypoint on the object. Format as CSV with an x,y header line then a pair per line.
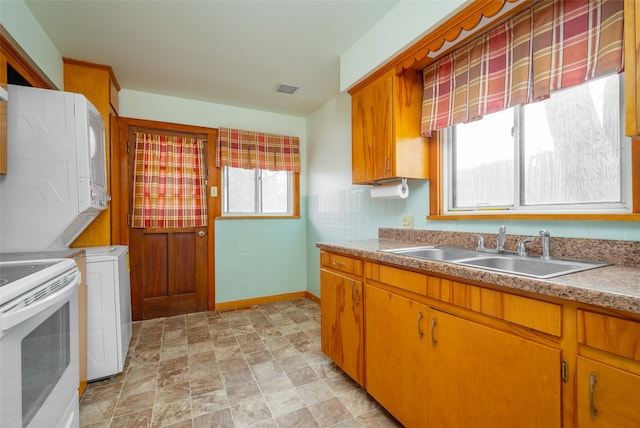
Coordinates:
x,y
342,322
538,315
614,397
483,377
616,335
400,278
341,263
156,276
185,262
396,349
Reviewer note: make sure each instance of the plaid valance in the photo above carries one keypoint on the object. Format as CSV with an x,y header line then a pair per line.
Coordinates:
x,y
554,44
169,182
257,150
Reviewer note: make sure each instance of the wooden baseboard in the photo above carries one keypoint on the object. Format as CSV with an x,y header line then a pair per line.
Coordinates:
x,y
313,297
239,304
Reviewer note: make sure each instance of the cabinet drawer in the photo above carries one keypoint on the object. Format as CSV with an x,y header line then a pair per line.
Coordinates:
x,y
535,314
342,263
400,278
608,333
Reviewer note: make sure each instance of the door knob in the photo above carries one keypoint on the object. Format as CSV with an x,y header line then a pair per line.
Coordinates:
x,y
202,233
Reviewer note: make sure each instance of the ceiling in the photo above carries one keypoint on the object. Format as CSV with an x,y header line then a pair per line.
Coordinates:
x,y
232,52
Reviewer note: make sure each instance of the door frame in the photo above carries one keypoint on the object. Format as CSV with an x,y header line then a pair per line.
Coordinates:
x,y
120,158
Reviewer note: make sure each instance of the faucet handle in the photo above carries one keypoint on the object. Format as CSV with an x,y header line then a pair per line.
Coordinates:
x,y
522,245
480,246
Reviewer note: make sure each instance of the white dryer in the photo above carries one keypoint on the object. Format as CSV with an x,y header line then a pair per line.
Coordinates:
x,y
108,310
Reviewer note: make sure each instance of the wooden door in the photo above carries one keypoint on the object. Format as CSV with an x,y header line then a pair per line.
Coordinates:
x,y
607,396
169,269
342,329
482,377
396,349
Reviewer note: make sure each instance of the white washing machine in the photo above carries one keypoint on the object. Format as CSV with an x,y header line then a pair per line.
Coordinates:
x,y
108,310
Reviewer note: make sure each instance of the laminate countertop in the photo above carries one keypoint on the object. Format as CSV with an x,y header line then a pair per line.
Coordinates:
x,y
615,286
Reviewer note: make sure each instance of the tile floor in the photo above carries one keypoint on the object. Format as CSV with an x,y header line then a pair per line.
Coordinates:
x,y
257,368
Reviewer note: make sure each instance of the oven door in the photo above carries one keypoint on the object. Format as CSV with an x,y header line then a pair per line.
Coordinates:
x,y
39,353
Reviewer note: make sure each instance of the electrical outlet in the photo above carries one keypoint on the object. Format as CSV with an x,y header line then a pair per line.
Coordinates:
x,y
407,222
214,192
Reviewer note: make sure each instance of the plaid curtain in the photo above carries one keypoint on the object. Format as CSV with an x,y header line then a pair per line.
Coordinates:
x,y
169,182
553,45
257,150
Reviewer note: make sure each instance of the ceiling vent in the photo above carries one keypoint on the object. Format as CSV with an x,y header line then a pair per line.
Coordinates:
x,y
286,89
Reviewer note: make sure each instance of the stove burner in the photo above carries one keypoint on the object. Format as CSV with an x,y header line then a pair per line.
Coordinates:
x,y
10,272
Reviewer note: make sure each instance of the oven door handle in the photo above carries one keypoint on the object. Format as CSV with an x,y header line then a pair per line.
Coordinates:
x,y
15,316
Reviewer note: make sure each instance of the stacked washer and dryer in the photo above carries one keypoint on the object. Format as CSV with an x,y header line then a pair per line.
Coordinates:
x,y
54,188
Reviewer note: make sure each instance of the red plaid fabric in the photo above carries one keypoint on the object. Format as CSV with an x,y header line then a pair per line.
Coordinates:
x,y
552,45
169,182
257,150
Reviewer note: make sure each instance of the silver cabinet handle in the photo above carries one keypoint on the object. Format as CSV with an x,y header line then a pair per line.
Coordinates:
x,y
434,322
202,233
420,332
592,387
338,264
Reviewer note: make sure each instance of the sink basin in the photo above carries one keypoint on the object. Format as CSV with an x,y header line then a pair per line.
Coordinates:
x,y
530,266
506,263
440,253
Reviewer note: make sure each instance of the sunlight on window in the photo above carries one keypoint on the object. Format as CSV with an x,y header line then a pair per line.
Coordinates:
x,y
564,151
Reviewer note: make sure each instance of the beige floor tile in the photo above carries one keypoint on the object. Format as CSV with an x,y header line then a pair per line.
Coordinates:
x,y
260,368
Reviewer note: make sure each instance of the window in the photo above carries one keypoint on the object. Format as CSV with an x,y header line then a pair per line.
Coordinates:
x,y
561,155
258,192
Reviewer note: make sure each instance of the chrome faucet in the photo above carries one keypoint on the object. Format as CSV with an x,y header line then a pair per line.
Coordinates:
x,y
546,244
502,230
522,246
480,246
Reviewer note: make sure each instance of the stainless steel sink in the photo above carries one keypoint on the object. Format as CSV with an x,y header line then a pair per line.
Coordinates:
x,y
507,263
530,266
440,253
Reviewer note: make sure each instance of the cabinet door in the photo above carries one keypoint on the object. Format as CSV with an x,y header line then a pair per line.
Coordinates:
x,y
482,377
372,132
396,355
341,323
607,397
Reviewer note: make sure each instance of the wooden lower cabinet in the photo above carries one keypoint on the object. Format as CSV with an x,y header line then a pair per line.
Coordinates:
x,y
397,343
607,396
342,322
483,377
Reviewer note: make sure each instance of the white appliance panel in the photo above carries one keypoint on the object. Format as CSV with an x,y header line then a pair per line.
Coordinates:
x,y
53,188
109,325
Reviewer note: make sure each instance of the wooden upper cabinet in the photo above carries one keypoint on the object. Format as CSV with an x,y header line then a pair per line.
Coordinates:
x,y
98,83
632,66
386,141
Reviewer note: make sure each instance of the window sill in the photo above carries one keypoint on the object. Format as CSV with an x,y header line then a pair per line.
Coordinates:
x,y
512,216
256,217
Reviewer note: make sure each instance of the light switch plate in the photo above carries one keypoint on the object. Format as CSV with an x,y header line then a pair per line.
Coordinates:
x,y
214,191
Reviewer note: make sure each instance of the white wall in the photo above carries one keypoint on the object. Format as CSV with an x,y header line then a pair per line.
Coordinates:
x,y
17,19
405,24
329,149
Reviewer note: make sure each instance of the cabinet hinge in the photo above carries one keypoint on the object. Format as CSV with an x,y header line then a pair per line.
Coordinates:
x,y
128,219
564,371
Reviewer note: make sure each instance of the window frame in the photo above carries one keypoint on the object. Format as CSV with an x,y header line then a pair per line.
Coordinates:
x,y
518,208
437,195
294,201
